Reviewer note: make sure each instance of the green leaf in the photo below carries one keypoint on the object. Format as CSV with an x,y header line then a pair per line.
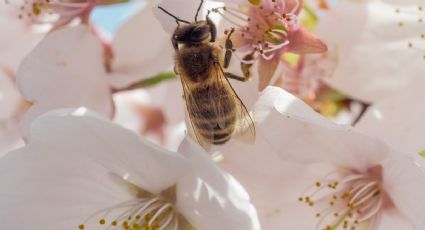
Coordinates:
x,y
422,153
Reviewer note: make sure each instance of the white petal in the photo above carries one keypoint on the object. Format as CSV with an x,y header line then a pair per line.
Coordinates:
x,y
269,180
211,199
369,40
398,119
185,10
9,96
294,130
394,220
17,38
118,149
404,181
10,100
141,49
65,70
53,190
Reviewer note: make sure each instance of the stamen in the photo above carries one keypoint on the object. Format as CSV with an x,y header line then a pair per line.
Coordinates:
x,y
147,211
216,10
353,199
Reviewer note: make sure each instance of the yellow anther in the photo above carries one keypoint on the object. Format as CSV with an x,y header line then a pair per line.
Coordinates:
x,y
114,223
81,226
102,221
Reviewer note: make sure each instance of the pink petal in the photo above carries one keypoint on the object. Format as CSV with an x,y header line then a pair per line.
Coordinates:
x,y
266,70
303,41
65,70
293,6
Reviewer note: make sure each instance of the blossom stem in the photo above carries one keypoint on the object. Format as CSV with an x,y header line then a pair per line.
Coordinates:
x,y
148,82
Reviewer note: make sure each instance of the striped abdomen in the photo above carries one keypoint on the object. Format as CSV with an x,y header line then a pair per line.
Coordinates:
x,y
213,113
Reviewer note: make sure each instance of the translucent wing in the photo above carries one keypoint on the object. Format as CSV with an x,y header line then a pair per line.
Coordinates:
x,y
244,127
195,112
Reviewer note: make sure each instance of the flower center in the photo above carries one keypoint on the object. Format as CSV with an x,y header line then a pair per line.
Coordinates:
x,y
51,12
349,202
146,212
264,28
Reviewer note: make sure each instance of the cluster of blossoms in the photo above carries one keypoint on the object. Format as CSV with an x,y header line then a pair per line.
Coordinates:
x,y
94,132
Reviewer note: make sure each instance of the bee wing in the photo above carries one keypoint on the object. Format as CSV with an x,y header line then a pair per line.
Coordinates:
x,y
193,109
244,129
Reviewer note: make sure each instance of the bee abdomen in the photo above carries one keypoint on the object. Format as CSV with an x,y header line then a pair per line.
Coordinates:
x,y
216,135
214,127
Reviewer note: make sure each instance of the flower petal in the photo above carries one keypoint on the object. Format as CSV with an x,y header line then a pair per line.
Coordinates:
x,y
185,10
68,171
118,149
211,199
266,71
294,6
141,49
366,34
65,70
269,180
303,41
393,220
17,37
404,181
9,96
309,137
389,120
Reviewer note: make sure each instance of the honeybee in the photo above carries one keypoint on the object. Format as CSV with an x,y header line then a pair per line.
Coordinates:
x,y
215,111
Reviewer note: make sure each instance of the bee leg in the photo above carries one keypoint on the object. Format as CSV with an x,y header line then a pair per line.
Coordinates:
x,y
236,77
246,65
229,49
213,28
175,70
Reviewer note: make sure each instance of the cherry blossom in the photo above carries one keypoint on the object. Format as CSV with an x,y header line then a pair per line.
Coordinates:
x,y
340,177
80,171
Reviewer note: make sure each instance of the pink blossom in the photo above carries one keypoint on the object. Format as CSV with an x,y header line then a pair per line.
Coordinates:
x,y
56,13
268,30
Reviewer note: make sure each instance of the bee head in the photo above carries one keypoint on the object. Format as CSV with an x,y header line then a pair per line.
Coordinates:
x,y
193,33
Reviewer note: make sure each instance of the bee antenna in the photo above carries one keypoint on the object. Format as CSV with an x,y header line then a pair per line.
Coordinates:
x,y
173,16
199,8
